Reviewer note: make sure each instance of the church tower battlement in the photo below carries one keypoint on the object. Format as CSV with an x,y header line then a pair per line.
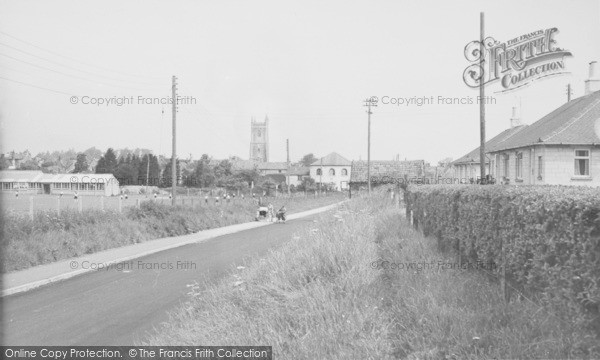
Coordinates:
x,y
259,140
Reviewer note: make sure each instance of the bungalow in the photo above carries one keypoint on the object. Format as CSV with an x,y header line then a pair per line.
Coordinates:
x,y
36,182
562,148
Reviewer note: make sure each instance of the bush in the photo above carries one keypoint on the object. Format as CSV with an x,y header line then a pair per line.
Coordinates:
x,y
550,237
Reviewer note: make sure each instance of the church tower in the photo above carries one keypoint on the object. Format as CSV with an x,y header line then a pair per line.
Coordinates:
x,y
259,140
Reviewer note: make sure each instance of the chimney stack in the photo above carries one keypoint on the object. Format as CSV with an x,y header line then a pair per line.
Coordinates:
x,y
515,120
592,84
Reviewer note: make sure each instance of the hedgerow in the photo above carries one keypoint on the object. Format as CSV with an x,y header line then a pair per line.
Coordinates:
x,y
550,236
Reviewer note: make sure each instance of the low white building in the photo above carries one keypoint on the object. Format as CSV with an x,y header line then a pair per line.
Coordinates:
x,y
332,169
36,182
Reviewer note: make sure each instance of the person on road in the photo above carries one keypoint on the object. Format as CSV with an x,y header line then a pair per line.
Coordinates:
x,y
281,214
75,195
17,194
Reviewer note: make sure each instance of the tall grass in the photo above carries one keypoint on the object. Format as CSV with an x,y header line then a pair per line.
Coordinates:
x,y
50,237
333,293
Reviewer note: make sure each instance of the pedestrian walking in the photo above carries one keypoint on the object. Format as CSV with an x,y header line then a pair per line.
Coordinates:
x,y
17,194
217,200
75,195
206,199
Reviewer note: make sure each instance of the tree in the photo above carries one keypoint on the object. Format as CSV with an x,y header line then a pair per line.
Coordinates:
x,y
308,184
203,174
222,169
81,164
308,159
107,163
167,174
151,176
4,163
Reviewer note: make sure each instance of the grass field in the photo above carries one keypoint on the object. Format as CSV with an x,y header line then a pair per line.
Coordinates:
x,y
50,236
338,291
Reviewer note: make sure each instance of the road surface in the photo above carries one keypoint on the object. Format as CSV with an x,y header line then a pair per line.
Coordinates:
x,y
111,307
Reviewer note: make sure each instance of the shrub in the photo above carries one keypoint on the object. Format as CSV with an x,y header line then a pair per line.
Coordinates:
x,y
550,237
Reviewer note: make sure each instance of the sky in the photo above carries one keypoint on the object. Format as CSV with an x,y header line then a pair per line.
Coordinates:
x,y
307,65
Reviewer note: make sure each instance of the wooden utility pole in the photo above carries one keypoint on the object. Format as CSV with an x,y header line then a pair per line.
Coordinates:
x,y
569,92
147,172
482,100
287,143
174,153
368,103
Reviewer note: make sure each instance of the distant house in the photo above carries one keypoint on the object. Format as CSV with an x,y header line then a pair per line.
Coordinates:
x,y
13,159
36,182
298,174
263,168
562,148
332,169
387,172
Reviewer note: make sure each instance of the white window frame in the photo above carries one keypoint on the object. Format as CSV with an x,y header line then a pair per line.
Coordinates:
x,y
589,162
506,165
519,165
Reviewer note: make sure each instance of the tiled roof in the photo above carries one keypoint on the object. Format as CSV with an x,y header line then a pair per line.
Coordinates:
x,y
297,171
21,175
571,124
333,159
251,165
473,156
386,171
243,165
272,166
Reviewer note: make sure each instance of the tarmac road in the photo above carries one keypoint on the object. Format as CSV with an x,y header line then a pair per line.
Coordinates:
x,y
111,307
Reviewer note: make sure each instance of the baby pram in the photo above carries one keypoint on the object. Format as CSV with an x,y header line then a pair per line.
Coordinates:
x,y
264,214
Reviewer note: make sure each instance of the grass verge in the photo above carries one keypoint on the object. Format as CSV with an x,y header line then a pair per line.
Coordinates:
x,y
51,237
338,291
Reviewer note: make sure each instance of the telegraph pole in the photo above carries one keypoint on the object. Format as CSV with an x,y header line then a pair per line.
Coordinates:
x,y
147,172
174,153
569,92
482,100
287,143
368,103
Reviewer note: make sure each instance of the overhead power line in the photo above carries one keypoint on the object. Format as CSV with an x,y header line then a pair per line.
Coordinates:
x,y
75,69
70,75
76,60
35,86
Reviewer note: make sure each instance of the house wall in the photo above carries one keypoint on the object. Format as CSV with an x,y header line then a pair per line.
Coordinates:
x,y
297,179
465,172
557,165
340,181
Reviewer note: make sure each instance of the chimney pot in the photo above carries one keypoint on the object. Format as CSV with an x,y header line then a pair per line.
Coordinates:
x,y
592,84
514,120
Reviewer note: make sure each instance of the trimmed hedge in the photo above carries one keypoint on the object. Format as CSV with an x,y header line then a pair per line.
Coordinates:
x,y
550,235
